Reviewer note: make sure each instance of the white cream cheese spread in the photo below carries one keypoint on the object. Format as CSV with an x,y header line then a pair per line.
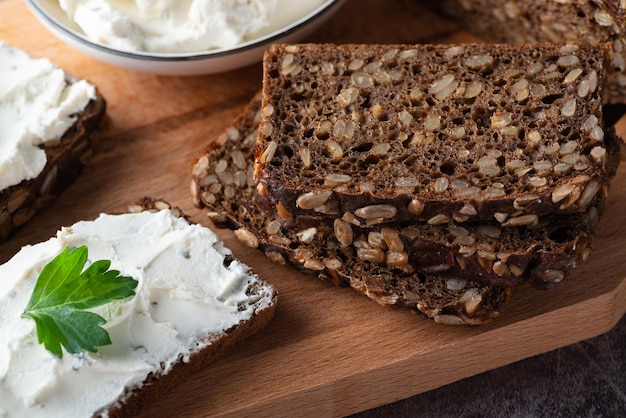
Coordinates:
x,y
36,105
185,292
172,26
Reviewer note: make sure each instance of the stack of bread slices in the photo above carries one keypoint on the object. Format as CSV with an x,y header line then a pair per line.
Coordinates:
x,y
434,177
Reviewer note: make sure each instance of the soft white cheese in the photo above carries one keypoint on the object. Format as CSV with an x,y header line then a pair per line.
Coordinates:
x,y
184,293
36,105
171,26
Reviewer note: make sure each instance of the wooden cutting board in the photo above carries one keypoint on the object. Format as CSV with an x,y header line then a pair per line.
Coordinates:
x,y
329,351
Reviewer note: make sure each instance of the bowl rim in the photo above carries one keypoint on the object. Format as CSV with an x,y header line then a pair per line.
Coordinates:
x,y
318,12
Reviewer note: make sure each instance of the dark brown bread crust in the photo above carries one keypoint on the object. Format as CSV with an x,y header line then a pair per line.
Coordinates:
x,y
222,181
433,132
136,398
520,21
65,160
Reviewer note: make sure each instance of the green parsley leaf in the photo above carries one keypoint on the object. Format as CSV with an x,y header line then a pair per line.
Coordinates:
x,y
62,293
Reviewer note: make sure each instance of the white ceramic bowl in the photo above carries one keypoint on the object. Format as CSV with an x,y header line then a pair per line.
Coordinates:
x,y
54,19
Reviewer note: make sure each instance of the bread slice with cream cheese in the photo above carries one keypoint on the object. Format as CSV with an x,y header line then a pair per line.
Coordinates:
x,y
193,301
47,118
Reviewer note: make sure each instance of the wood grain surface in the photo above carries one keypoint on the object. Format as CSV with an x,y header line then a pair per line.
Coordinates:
x,y
329,351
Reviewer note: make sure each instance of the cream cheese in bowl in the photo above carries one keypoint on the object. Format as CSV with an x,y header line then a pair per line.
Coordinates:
x,y
172,25
186,37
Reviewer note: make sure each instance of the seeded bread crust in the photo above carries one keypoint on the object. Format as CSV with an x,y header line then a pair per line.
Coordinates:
x,y
433,133
222,181
65,159
215,345
519,21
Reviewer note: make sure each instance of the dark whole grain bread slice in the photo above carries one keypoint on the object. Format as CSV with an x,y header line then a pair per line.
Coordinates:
x,y
433,133
222,181
65,159
194,348
519,21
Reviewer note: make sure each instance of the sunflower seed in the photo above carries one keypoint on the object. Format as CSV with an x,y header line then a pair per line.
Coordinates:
x,y
447,319
247,238
479,62
376,211
501,269
333,180
455,284
522,220
343,232
468,209
562,192
439,219
397,258
589,193
273,227
375,240
314,199
313,264
276,257
471,299
392,240
268,154
416,206
373,255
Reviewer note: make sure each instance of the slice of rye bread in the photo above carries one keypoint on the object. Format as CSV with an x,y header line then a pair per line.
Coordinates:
x,y
206,351
222,181
519,21
433,132
65,159
543,253
261,299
